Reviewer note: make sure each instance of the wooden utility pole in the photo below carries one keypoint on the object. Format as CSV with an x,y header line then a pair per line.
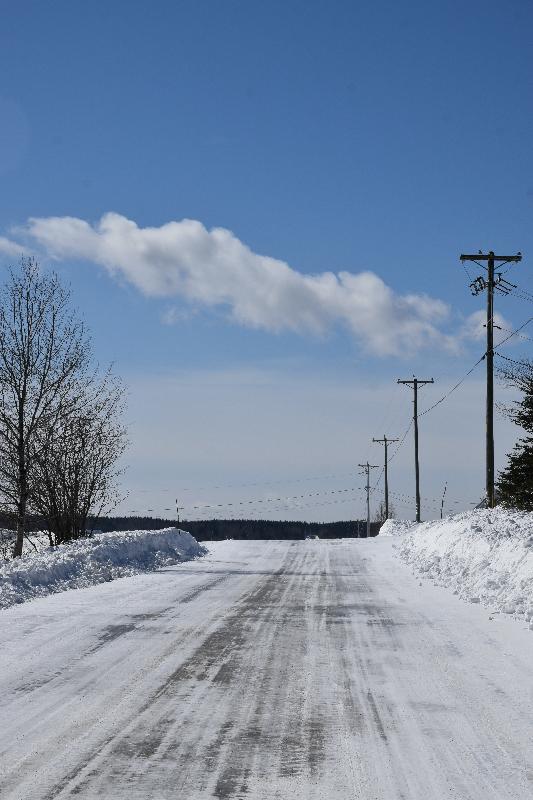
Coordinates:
x,y
415,383
442,501
386,442
492,282
367,467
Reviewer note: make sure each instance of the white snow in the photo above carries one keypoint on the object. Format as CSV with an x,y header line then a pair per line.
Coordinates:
x,y
94,560
34,541
264,670
395,527
484,556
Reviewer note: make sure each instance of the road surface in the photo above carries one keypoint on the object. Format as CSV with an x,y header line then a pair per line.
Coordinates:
x,y
273,670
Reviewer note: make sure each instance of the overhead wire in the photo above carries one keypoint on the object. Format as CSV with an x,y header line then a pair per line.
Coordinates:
x,y
266,499
292,501
467,271
426,411
288,481
389,459
507,358
519,335
520,289
287,506
459,383
235,504
513,333
521,294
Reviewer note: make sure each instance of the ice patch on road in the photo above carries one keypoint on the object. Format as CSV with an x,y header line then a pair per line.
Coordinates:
x,y
98,559
484,556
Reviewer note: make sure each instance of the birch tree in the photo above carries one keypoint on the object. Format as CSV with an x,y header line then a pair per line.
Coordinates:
x,y
43,353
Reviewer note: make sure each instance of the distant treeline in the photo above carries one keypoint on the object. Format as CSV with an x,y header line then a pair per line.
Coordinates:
x,y
217,529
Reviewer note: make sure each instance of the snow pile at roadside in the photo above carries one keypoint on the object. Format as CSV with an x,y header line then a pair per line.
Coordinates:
x,y
33,542
485,556
95,560
395,527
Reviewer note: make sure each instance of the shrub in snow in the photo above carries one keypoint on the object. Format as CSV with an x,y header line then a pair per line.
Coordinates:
x,y
485,556
90,561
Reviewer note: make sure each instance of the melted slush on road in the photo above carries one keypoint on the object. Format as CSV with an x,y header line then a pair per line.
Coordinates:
x,y
266,670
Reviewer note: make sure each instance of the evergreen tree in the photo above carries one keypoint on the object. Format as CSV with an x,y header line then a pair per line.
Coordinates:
x,y
515,483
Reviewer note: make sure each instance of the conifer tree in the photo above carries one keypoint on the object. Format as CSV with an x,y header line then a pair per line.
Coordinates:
x,y
515,482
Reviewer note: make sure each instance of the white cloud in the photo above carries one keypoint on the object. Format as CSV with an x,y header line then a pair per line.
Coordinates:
x,y
173,315
10,248
214,268
474,327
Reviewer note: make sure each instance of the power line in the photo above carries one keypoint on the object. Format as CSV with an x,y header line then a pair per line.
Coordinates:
x,y
402,440
271,509
445,396
267,499
232,504
513,360
523,291
304,505
268,483
287,481
513,333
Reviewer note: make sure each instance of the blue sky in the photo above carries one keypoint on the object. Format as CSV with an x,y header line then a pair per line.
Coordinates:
x,y
334,137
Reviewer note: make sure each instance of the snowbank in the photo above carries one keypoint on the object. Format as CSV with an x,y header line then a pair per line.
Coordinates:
x,y
485,556
395,527
33,542
90,561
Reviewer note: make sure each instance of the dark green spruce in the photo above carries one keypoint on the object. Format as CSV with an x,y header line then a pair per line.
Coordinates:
x,y
515,482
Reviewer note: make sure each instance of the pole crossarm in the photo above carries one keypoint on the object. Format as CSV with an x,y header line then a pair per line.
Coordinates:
x,y
414,381
490,255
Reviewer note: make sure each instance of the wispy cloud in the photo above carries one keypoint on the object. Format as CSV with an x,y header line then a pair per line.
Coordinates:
x,y
214,268
10,248
475,329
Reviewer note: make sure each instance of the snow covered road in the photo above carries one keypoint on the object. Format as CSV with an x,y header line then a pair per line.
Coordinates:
x,y
266,670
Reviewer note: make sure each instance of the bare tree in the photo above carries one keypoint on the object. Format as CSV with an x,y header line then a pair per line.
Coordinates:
x,y
43,353
380,515
76,461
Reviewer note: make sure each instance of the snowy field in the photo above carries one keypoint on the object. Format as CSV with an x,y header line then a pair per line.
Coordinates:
x,y
484,556
266,671
103,557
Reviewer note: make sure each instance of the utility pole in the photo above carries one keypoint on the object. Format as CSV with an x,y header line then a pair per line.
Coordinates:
x,y
367,467
492,282
178,509
415,383
386,442
442,501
